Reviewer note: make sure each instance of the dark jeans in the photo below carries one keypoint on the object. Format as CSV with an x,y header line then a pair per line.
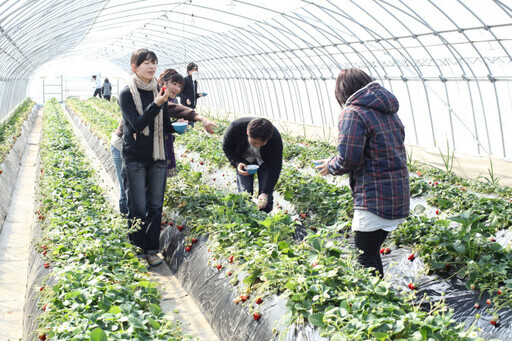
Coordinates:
x,y
107,97
246,184
145,186
370,243
97,92
118,162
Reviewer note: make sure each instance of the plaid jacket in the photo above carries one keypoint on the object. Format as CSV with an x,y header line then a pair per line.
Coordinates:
x,y
371,149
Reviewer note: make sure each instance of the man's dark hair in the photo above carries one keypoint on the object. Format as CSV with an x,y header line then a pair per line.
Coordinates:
x,y
191,66
260,128
348,82
141,55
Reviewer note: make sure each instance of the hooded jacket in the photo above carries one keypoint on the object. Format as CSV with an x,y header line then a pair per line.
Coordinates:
x,y
371,149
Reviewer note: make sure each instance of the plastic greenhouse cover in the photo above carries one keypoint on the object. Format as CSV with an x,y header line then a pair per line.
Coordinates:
x,y
212,291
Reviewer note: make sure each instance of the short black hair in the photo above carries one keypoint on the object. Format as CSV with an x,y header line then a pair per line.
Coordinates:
x,y
191,66
260,128
141,55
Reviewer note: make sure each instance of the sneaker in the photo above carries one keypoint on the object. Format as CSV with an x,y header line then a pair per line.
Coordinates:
x,y
154,260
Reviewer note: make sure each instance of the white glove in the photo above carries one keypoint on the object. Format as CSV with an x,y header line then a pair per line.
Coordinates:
x,y
262,201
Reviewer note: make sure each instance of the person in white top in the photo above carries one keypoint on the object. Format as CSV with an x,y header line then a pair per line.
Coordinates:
x,y
97,90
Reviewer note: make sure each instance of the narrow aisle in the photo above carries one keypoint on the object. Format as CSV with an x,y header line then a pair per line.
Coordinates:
x,y
15,241
174,297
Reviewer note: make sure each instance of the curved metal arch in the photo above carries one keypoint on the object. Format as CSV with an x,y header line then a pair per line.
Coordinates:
x,y
455,52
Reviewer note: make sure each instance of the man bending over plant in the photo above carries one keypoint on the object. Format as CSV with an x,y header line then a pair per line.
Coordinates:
x,y
254,145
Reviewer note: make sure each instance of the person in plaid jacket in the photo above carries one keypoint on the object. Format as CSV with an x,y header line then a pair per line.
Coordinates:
x,y
371,150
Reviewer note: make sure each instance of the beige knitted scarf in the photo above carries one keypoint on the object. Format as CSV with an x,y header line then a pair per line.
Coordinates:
x,y
158,137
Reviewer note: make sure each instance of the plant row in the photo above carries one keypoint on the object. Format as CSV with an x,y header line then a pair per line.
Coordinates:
x,y
10,129
96,288
318,276
102,123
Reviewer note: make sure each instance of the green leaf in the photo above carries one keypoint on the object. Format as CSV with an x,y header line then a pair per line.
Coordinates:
x,y
418,209
381,289
155,309
317,244
115,310
317,320
459,247
98,335
283,245
338,337
425,331
154,323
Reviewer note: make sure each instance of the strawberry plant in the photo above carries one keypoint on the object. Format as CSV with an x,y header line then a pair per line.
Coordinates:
x,y
99,288
10,128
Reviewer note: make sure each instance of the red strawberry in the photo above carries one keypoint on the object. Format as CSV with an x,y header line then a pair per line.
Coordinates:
x,y
473,287
437,212
492,239
244,298
201,163
44,253
381,251
387,250
213,179
419,173
194,240
494,320
447,265
477,305
258,300
435,183
42,337
411,257
187,249
163,90
499,291
180,227
313,229
256,316
1,171
229,273
314,264
46,265
230,259
42,288
44,307
219,266
488,302
411,286
170,223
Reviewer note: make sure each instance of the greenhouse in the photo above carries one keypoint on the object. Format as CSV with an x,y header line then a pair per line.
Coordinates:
x,y
134,133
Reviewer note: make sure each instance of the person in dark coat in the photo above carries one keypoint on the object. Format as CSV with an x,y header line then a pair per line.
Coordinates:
x,y
371,150
255,141
189,94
